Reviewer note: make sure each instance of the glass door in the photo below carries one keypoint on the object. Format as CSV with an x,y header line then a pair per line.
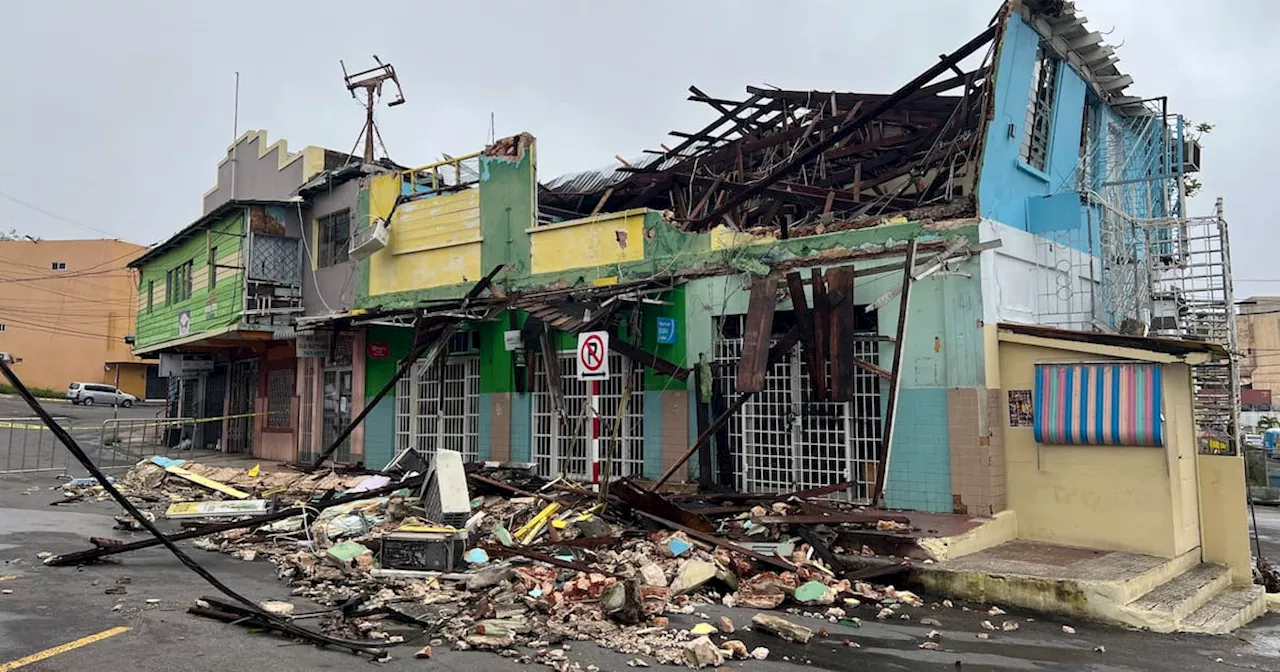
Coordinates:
x,y
337,410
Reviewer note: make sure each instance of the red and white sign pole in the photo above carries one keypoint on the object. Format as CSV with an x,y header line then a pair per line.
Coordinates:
x,y
593,366
595,431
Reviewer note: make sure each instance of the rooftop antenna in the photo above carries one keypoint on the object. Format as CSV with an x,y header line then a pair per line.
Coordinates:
x,y
371,81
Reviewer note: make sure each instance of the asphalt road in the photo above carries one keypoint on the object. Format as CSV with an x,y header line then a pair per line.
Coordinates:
x,y
50,606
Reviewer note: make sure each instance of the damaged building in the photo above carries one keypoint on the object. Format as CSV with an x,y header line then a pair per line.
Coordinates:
x,y
816,289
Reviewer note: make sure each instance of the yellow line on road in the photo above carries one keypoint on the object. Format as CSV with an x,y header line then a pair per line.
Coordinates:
x,y
61,648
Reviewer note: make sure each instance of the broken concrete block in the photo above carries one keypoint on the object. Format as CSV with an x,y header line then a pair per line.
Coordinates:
x,y
703,629
736,649
424,652
693,573
278,608
622,602
701,653
653,575
489,577
814,592
726,625
781,627
760,653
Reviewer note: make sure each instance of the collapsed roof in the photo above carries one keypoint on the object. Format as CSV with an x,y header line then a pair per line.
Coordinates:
x,y
793,160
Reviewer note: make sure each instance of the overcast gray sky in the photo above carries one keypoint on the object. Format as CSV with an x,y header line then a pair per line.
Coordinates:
x,y
117,112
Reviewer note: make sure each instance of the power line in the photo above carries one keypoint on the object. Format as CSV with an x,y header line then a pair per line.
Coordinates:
x,y
55,215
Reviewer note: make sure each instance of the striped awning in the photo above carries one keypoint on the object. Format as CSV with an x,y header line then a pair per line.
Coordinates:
x,y
1099,404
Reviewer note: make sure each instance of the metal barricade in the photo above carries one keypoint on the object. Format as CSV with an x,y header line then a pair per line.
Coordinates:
x,y
29,446
124,442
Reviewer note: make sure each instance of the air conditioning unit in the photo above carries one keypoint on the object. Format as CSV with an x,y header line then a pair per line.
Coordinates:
x,y
370,239
1190,155
445,498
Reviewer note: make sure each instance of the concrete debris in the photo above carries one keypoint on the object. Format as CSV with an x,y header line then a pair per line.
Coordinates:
x,y
781,627
931,622
736,649
703,629
983,635
653,575
278,608
995,611
701,653
1100,649
1009,626
1068,630
540,566
930,646
933,634
692,574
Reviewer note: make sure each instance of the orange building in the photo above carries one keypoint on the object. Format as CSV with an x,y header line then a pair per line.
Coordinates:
x,y
65,309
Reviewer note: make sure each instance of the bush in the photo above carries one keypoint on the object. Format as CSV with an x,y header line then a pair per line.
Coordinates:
x,y
40,392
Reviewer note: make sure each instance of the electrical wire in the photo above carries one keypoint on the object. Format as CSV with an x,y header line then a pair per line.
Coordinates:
x,y
68,220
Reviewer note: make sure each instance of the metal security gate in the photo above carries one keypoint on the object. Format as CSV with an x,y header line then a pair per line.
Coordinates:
x,y
784,440
243,391
562,445
439,407
306,411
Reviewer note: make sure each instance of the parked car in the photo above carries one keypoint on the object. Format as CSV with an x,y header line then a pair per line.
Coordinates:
x,y
95,393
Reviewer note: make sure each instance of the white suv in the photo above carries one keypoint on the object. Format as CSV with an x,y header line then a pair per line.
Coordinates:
x,y
95,393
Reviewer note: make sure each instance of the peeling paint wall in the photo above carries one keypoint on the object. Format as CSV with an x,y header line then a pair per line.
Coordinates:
x,y
599,242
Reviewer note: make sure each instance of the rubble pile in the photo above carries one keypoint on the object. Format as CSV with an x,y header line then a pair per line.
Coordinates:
x,y
537,565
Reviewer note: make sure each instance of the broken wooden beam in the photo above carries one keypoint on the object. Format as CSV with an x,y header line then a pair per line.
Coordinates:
x,y
867,518
814,363
640,499
757,333
842,328
664,366
895,382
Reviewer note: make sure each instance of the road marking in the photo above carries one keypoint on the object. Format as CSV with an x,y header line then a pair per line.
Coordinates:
x,y
61,648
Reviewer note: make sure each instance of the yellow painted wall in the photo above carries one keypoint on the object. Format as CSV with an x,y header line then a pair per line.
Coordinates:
x,y
132,378
435,242
610,238
722,237
1124,498
1224,515
67,324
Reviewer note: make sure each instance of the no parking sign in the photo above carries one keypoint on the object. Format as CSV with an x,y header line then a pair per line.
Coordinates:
x,y
593,355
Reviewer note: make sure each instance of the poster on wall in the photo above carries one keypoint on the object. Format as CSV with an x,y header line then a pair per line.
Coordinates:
x,y
1021,409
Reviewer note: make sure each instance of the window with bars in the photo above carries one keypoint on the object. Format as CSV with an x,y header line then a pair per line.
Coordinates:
x,y
783,439
279,398
333,234
439,407
1037,129
562,439
1084,172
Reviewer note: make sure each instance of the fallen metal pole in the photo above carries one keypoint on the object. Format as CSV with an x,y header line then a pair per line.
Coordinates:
x,y
895,379
89,555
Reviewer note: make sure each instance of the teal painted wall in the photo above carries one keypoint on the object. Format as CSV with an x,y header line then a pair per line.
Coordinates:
x,y
208,311
380,425
920,466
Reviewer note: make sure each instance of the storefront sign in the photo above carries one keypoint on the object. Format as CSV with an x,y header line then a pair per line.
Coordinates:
x,y
666,330
379,350
312,344
181,365
511,340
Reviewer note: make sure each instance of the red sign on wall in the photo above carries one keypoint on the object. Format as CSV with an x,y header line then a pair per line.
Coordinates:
x,y
379,351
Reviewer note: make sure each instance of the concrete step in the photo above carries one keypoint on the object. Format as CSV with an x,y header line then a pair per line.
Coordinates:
x,y
1163,607
1229,610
